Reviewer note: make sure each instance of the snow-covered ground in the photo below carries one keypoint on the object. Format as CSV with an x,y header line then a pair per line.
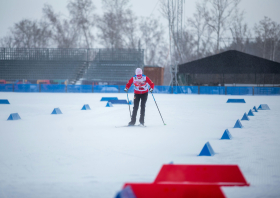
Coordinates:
x,y
83,154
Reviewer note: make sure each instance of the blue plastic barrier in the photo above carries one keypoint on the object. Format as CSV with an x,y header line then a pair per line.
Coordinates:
x,y
226,135
109,104
131,89
6,87
14,116
118,101
106,89
162,89
53,88
56,111
266,91
212,90
239,90
238,124
108,98
79,88
4,101
26,88
86,107
236,101
207,150
263,107
185,90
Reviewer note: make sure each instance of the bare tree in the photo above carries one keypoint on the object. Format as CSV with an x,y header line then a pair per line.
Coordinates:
x,y
64,34
83,17
111,23
28,34
275,37
152,36
130,29
220,12
199,27
268,35
188,46
239,31
7,41
168,10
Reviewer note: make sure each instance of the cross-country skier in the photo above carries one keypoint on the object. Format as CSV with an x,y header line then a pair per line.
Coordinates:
x,y
140,82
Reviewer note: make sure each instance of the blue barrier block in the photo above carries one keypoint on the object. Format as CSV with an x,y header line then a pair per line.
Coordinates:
x,y
263,107
108,98
14,116
109,104
239,90
212,90
53,88
255,109
185,89
106,89
26,88
238,124
127,192
56,111
79,88
4,101
226,135
118,101
250,113
245,117
86,107
6,87
207,150
266,91
236,101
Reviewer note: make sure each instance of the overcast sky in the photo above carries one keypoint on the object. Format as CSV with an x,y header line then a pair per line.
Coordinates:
x,y
12,11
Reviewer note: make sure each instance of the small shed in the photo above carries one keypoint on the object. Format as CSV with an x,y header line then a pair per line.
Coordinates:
x,y
155,73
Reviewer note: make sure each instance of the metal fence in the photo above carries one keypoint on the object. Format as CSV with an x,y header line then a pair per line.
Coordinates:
x,y
218,90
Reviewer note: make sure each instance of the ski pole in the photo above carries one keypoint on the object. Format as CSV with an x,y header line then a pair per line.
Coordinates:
x,y
128,104
158,108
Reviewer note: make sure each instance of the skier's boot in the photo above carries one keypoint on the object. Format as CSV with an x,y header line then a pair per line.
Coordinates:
x,y
131,123
141,120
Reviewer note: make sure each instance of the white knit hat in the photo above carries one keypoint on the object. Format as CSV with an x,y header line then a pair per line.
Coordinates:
x,y
138,71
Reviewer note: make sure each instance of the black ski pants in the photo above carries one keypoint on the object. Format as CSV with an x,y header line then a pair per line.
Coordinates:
x,y
137,98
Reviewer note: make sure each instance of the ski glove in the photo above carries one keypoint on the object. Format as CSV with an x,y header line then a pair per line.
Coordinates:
x,y
151,90
125,89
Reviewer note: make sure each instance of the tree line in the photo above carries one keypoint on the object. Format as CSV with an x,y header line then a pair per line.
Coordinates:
x,y
216,26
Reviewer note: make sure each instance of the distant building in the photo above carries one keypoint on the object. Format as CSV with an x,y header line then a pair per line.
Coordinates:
x,y
230,68
155,73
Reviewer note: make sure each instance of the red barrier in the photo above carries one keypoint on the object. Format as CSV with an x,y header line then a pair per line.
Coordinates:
x,y
142,190
43,82
2,82
222,175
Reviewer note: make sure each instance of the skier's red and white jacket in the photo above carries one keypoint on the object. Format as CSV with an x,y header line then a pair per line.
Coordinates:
x,y
140,85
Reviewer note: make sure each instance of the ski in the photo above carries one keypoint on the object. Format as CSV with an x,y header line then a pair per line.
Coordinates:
x,y
131,126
